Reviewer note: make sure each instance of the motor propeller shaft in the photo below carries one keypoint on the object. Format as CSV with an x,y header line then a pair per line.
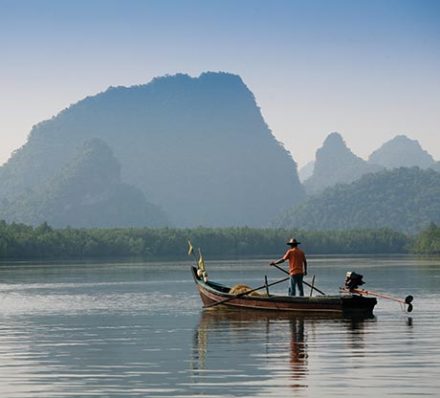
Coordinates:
x,y
408,299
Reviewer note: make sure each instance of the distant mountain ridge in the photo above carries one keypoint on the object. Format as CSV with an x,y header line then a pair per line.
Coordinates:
x,y
336,163
401,151
197,147
403,199
346,192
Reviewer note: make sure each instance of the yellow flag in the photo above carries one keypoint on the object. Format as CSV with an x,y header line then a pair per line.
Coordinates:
x,y
201,262
190,249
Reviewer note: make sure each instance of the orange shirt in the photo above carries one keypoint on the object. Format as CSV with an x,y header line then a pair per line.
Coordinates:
x,y
296,259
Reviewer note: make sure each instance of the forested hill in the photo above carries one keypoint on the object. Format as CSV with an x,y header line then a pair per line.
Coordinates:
x,y
86,192
404,199
197,147
436,166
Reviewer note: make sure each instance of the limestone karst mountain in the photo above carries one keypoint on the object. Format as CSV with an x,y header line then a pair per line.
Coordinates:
x,y
86,192
336,163
197,147
401,151
306,171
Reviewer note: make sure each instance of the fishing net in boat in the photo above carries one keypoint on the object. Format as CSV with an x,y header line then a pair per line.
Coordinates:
x,y
241,289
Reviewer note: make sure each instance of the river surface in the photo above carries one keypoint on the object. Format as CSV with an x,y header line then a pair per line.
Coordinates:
x,y
133,329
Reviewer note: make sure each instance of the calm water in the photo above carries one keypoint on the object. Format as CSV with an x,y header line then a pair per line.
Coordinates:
x,y
137,330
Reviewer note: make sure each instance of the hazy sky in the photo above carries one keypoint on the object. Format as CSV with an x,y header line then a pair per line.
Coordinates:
x,y
367,69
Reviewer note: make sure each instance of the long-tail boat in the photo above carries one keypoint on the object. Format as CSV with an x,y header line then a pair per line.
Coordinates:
x,y
215,294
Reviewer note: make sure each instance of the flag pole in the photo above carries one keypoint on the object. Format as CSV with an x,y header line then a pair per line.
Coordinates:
x,y
200,262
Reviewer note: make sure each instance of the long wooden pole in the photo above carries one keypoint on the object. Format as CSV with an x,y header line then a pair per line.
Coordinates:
x,y
245,293
313,285
305,283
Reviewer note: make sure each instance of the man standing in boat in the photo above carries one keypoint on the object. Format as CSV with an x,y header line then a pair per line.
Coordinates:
x,y
297,266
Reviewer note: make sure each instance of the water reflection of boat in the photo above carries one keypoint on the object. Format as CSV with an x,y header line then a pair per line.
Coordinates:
x,y
298,351
213,294
263,344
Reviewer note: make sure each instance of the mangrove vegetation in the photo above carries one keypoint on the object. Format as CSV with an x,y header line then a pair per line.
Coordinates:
x,y
19,241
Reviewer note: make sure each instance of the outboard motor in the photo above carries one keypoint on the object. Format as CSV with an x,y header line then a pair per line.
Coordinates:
x,y
353,280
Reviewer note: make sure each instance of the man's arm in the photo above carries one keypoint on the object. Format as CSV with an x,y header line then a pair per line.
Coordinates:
x,y
305,266
281,260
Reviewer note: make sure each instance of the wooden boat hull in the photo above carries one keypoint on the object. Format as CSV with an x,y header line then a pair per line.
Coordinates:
x,y
212,293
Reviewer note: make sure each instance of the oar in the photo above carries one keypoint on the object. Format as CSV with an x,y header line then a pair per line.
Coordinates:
x,y
245,293
305,283
407,300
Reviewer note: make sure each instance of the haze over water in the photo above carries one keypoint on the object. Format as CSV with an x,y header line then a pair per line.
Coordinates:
x,y
137,329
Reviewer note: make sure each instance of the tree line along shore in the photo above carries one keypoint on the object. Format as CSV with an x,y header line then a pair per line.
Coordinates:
x,y
21,242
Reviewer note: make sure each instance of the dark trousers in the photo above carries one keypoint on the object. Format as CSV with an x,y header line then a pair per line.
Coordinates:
x,y
296,280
